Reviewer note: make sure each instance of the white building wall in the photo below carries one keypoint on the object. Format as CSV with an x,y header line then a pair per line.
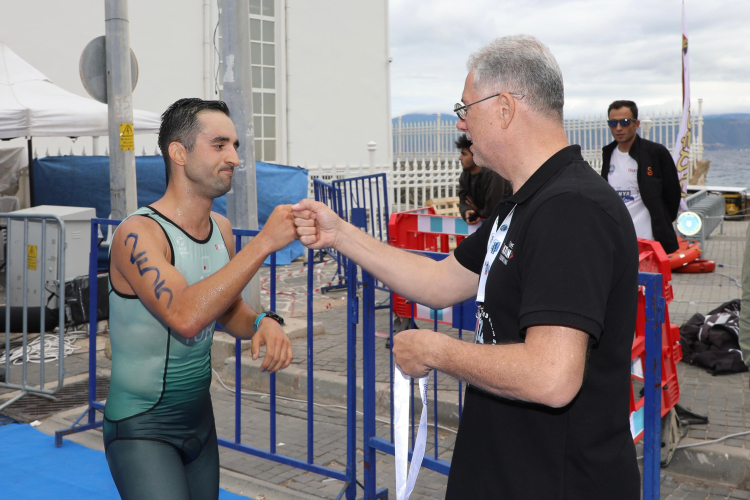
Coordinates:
x,y
336,83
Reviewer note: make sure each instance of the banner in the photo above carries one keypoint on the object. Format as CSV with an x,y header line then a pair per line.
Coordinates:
x,y
681,151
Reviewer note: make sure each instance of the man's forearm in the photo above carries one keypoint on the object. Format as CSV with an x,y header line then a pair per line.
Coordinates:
x,y
514,371
413,276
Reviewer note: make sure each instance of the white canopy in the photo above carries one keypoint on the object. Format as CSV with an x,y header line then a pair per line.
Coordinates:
x,y
32,106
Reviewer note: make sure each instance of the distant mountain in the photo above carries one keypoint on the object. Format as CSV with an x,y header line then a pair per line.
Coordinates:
x,y
727,131
730,131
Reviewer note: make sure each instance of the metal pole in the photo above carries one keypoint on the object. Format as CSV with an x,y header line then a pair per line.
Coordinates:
x,y
31,178
122,187
242,200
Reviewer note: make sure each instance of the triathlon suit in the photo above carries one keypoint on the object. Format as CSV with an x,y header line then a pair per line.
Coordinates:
x,y
159,432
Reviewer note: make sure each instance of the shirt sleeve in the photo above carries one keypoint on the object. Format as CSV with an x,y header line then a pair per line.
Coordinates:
x,y
471,251
566,265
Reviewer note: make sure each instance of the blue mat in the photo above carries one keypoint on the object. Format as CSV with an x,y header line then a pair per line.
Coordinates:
x,y
33,468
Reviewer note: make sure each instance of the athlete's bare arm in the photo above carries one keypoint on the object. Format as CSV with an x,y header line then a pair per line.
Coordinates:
x,y
141,266
239,320
437,284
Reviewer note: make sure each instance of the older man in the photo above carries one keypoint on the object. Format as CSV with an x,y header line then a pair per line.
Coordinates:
x,y
546,411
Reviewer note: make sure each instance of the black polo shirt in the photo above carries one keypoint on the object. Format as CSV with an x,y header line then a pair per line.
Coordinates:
x,y
570,258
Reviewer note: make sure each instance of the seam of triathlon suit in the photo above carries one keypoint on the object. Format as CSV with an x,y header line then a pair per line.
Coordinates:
x,y
210,232
162,441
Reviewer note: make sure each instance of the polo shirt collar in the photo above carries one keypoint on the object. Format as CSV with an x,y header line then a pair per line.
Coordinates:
x,y
545,172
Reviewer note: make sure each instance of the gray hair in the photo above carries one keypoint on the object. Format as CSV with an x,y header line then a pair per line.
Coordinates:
x,y
521,64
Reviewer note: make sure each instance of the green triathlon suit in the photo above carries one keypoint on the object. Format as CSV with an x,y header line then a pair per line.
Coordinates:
x,y
159,432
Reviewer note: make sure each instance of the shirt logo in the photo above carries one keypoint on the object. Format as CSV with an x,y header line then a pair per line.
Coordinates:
x,y
612,168
181,248
206,262
506,253
650,171
220,246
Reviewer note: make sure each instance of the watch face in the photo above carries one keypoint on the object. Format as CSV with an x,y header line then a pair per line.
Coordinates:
x,y
275,317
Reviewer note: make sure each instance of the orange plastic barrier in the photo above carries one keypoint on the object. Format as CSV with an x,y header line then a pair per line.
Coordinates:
x,y
653,259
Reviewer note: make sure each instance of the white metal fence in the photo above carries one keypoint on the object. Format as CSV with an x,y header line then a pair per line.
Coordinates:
x,y
434,140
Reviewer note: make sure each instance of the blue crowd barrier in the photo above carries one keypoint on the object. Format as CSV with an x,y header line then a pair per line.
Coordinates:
x,y
348,476
649,283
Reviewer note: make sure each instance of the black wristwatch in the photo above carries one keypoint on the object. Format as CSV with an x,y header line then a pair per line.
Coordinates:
x,y
269,314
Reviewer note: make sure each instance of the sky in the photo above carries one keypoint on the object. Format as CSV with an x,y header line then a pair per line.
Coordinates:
x,y
607,50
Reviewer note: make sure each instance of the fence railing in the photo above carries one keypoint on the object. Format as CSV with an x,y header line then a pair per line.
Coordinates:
x,y
348,476
433,141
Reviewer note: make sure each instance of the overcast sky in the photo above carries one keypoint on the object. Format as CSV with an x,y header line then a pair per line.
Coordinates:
x,y
607,50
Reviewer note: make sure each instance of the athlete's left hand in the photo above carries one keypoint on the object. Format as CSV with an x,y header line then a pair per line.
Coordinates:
x,y
413,351
278,347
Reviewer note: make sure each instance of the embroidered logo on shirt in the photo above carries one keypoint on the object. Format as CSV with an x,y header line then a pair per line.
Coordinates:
x,y
650,171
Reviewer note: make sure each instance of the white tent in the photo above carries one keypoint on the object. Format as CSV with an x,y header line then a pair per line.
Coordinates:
x,y
32,106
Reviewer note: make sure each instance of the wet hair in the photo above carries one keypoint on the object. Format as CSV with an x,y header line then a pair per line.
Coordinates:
x,y
179,123
462,142
521,64
624,104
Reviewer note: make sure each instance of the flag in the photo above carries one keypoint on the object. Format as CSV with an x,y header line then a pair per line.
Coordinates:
x,y
681,151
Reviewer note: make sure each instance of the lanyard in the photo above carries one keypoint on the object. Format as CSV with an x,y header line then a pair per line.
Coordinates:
x,y
405,483
497,237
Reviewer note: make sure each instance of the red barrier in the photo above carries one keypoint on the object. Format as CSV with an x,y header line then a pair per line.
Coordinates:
x,y
653,259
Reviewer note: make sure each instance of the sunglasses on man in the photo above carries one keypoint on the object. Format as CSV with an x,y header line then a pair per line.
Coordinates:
x,y
625,122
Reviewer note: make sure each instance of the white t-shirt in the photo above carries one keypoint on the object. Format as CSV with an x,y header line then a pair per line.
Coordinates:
x,y
623,177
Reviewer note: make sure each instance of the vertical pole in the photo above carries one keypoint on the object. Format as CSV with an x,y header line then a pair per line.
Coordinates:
x,y
368,374
93,268
32,200
652,386
122,185
7,300
237,370
699,148
25,289
95,145
273,375
310,382
242,200
42,289
351,379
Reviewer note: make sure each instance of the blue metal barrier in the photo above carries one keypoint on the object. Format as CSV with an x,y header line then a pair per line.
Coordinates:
x,y
348,477
651,286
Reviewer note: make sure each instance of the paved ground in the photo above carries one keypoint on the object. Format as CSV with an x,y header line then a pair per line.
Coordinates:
x,y
726,400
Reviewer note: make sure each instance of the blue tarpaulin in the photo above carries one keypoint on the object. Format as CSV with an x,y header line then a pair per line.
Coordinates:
x,y
83,181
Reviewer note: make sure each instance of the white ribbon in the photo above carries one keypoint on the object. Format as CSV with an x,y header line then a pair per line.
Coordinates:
x,y
401,396
494,244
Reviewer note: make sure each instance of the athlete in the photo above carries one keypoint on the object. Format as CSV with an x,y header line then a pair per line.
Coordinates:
x,y
173,277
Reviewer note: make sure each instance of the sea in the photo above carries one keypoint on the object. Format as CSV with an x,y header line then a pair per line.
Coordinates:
x,y
729,168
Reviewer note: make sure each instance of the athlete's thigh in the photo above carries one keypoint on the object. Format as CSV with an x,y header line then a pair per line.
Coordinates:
x,y
203,472
145,469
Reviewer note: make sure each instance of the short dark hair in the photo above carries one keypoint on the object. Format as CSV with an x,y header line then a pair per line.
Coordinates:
x,y
463,142
624,104
179,123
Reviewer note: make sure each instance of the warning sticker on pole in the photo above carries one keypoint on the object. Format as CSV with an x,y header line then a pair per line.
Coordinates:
x,y
31,261
127,143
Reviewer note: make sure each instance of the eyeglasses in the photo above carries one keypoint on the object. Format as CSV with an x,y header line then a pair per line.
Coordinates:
x,y
625,122
461,109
